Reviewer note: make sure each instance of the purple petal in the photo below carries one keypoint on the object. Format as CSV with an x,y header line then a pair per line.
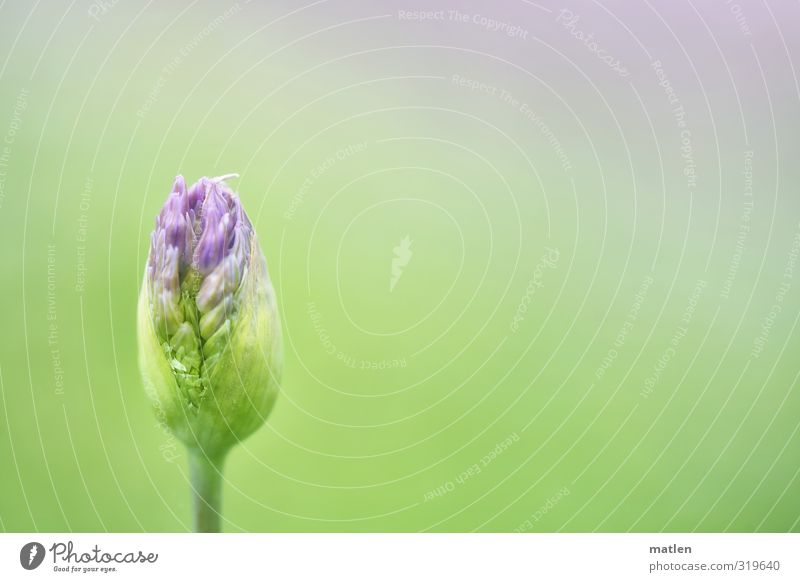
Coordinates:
x,y
202,230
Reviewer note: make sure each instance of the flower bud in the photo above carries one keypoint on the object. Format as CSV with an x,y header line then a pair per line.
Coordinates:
x,y
210,348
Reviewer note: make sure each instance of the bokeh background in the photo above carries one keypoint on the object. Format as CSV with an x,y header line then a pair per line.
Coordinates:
x,y
594,325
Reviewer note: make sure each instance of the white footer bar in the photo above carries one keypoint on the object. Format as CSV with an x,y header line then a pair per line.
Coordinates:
x,y
401,557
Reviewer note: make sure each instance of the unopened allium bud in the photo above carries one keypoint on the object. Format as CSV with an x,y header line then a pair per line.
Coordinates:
x,y
209,334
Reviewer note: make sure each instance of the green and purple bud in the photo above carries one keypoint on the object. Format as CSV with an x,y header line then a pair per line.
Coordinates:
x,y
210,346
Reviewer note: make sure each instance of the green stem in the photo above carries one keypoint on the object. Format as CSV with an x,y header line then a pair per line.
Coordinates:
x,y
205,473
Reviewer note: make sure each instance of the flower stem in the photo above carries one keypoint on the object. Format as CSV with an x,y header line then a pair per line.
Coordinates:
x,y
205,473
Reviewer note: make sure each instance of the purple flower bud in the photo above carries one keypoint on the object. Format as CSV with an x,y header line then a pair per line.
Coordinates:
x,y
210,349
210,346
200,249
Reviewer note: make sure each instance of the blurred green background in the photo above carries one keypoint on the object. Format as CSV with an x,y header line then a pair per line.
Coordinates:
x,y
596,328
